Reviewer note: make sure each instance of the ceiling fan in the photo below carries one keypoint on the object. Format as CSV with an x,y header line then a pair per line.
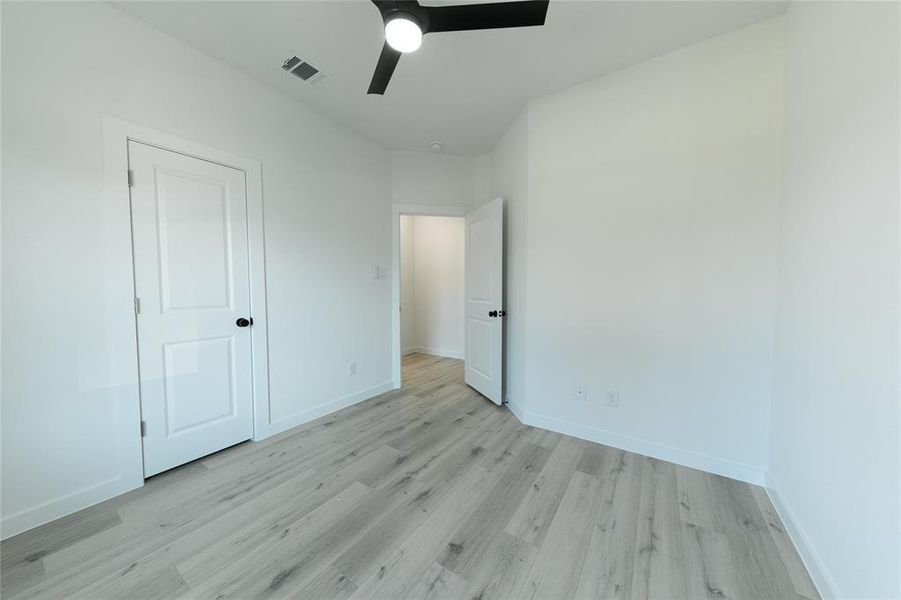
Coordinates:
x,y
406,22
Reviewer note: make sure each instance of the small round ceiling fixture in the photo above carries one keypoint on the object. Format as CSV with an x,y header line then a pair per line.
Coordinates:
x,y
403,33
436,146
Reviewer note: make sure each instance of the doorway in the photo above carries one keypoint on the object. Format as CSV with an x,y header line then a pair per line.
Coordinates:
x,y
431,285
483,294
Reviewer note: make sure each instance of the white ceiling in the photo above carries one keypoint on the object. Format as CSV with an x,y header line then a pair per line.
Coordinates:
x,y
461,88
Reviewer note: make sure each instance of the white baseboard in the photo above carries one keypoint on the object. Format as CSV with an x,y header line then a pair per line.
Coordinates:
x,y
434,352
687,458
323,409
65,505
823,581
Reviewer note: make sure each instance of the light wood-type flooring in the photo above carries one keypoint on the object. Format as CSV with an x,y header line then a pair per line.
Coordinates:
x,y
430,491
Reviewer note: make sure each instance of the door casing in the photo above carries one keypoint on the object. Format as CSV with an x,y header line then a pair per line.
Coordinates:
x,y
116,135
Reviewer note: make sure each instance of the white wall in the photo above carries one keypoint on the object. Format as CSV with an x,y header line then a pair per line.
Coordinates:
x,y
327,211
835,458
437,179
651,262
433,286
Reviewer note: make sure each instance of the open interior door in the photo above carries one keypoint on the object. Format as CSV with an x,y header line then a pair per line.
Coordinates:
x,y
484,289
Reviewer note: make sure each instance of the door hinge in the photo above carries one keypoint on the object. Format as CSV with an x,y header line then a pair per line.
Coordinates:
x,y
137,306
143,428
131,178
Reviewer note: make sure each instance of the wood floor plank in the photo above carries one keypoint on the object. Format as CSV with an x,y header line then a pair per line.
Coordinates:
x,y
622,495
610,558
659,566
220,554
469,451
377,544
394,576
242,527
532,518
329,584
185,505
707,559
278,504
472,540
21,557
608,567
438,584
275,562
504,564
595,459
21,576
429,491
557,568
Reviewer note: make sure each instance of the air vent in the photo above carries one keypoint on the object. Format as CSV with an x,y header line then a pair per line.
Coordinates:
x,y
291,63
303,70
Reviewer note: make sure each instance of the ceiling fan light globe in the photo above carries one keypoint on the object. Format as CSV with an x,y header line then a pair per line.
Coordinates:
x,y
403,34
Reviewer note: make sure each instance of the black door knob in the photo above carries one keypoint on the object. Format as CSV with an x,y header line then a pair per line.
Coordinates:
x,y
242,322
492,313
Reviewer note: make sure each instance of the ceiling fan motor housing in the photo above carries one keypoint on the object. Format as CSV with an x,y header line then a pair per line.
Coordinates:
x,y
405,10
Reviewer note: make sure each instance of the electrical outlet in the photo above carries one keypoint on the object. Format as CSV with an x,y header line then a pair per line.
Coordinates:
x,y
612,398
374,271
581,393
351,369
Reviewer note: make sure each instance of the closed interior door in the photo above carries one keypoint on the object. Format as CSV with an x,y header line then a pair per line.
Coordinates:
x,y
484,284
189,222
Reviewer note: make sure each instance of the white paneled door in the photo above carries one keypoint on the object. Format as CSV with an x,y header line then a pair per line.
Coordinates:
x,y
485,300
189,220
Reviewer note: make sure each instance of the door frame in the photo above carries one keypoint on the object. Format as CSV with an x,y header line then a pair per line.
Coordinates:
x,y
117,133
412,210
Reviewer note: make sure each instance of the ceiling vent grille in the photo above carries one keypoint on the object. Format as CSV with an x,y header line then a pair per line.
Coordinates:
x,y
303,70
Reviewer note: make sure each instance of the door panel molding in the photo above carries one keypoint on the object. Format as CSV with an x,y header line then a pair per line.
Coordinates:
x,y
170,389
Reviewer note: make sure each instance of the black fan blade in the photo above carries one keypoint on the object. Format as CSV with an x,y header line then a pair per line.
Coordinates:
x,y
495,15
383,70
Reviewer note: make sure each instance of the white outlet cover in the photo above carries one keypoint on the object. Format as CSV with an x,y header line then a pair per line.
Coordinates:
x,y
581,393
612,398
